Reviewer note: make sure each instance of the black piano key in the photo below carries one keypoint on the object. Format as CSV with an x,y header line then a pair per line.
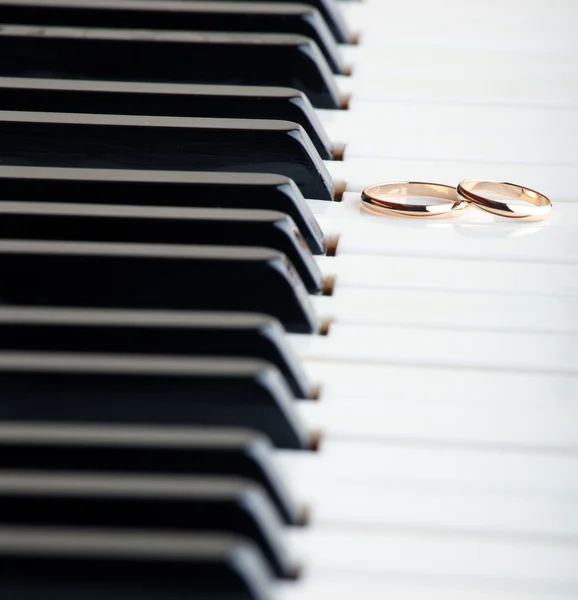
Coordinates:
x,y
160,450
170,143
153,332
160,225
37,563
162,188
154,276
240,17
162,99
328,9
91,388
169,56
131,501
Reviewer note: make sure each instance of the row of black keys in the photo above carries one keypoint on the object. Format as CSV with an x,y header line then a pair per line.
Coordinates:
x,y
153,369
85,365
314,19
159,240
245,393
121,512
97,371
107,60
204,122
215,43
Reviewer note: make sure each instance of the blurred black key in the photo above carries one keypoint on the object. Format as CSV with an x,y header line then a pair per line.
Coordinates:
x,y
162,188
165,99
328,9
215,278
239,17
169,503
159,225
281,60
153,332
123,389
171,143
152,450
37,563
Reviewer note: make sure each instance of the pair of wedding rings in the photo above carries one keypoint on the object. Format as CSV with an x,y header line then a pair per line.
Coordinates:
x,y
497,197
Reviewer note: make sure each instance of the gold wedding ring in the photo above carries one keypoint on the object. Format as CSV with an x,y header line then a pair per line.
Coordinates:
x,y
380,198
483,194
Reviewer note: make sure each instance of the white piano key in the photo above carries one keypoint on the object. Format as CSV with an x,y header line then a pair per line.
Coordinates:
x,y
419,11
442,405
463,146
491,311
439,420
559,183
442,347
551,92
389,117
452,238
339,586
504,25
409,60
364,271
396,507
373,552
395,384
519,11
429,465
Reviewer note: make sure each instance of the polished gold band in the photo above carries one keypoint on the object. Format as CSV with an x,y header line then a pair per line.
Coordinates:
x,y
379,198
482,194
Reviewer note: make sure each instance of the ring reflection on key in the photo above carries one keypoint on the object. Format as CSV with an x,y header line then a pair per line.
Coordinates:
x,y
494,197
383,198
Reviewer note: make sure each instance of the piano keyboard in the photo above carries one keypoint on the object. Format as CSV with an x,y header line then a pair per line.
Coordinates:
x,y
220,377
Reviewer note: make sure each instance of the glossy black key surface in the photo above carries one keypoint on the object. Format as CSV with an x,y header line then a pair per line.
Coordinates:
x,y
239,17
170,143
159,225
153,332
329,9
125,389
165,99
164,188
281,60
155,276
167,503
37,563
161,450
